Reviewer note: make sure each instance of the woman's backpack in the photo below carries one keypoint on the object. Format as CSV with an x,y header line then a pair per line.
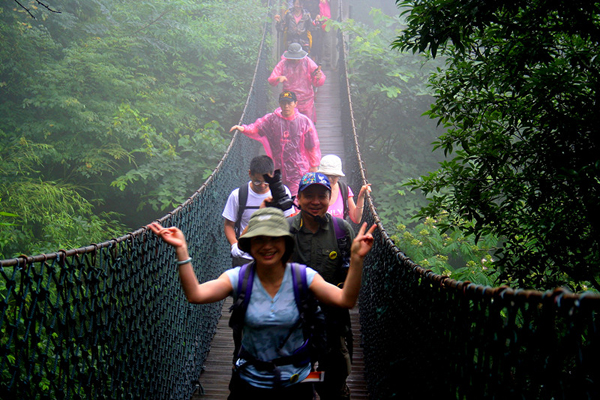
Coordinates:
x,y
311,318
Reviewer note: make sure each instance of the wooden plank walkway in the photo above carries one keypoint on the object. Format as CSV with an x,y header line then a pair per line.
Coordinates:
x,y
217,369
329,115
217,372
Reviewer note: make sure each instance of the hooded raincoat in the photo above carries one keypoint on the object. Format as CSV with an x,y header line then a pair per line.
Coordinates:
x,y
292,143
301,78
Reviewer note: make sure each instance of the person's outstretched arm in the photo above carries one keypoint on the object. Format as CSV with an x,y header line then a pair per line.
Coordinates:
x,y
355,210
346,297
317,76
208,292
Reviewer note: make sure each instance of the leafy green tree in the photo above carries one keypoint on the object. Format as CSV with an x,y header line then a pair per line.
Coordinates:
x,y
44,216
390,94
116,105
29,8
448,253
519,98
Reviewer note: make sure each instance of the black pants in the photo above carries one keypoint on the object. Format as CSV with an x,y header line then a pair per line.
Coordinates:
x,y
241,390
336,364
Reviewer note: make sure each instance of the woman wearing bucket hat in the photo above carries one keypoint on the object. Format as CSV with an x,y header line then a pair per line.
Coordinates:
x,y
341,203
299,74
271,316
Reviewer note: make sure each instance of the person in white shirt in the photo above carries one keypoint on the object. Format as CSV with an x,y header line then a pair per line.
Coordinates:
x,y
255,192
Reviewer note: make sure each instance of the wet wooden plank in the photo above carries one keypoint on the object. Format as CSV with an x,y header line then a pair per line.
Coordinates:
x,y
217,368
327,105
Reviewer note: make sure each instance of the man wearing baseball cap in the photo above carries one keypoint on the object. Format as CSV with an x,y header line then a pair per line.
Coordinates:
x,y
322,242
289,138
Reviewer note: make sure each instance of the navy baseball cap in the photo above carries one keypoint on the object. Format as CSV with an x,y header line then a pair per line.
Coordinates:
x,y
314,178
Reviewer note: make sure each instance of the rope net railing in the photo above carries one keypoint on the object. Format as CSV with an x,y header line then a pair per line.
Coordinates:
x,y
429,336
110,321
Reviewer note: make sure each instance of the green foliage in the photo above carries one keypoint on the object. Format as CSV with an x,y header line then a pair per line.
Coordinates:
x,y
519,96
113,105
395,204
55,215
173,167
390,94
448,252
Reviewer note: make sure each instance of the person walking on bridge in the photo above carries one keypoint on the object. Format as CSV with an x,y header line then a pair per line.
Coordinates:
x,y
323,243
299,74
289,138
272,362
297,25
244,201
342,203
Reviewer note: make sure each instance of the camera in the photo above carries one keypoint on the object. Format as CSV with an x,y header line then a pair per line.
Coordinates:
x,y
281,199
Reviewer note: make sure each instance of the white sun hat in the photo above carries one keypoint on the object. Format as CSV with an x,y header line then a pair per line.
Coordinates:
x,y
331,165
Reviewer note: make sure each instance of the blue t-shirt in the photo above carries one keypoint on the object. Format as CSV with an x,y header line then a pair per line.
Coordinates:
x,y
267,323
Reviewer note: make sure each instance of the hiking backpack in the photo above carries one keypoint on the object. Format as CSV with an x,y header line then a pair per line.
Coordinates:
x,y
242,200
311,318
344,194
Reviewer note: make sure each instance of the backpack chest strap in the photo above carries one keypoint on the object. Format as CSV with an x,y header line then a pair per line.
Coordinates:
x,y
300,358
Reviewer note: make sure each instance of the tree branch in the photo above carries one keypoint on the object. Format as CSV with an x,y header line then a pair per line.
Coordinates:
x,y
151,23
47,7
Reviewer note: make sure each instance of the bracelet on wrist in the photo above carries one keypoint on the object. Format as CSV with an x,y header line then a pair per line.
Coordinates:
x,y
184,261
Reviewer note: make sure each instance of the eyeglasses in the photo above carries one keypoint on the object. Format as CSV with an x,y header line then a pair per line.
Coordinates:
x,y
258,183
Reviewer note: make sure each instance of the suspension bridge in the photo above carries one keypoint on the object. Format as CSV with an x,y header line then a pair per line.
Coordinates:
x,y
109,320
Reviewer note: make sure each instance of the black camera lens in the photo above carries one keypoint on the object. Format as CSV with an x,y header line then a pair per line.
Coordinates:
x,y
281,199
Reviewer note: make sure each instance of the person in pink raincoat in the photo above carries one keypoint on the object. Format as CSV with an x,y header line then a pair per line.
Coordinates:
x,y
299,74
289,138
327,37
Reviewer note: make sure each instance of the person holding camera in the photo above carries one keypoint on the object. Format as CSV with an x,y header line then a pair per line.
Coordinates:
x,y
289,138
245,200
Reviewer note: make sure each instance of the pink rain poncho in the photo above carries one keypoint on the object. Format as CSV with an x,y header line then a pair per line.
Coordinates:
x,y
325,11
300,80
292,143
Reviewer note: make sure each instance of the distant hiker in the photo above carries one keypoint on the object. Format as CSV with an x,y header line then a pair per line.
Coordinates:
x,y
312,6
296,24
289,138
301,75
